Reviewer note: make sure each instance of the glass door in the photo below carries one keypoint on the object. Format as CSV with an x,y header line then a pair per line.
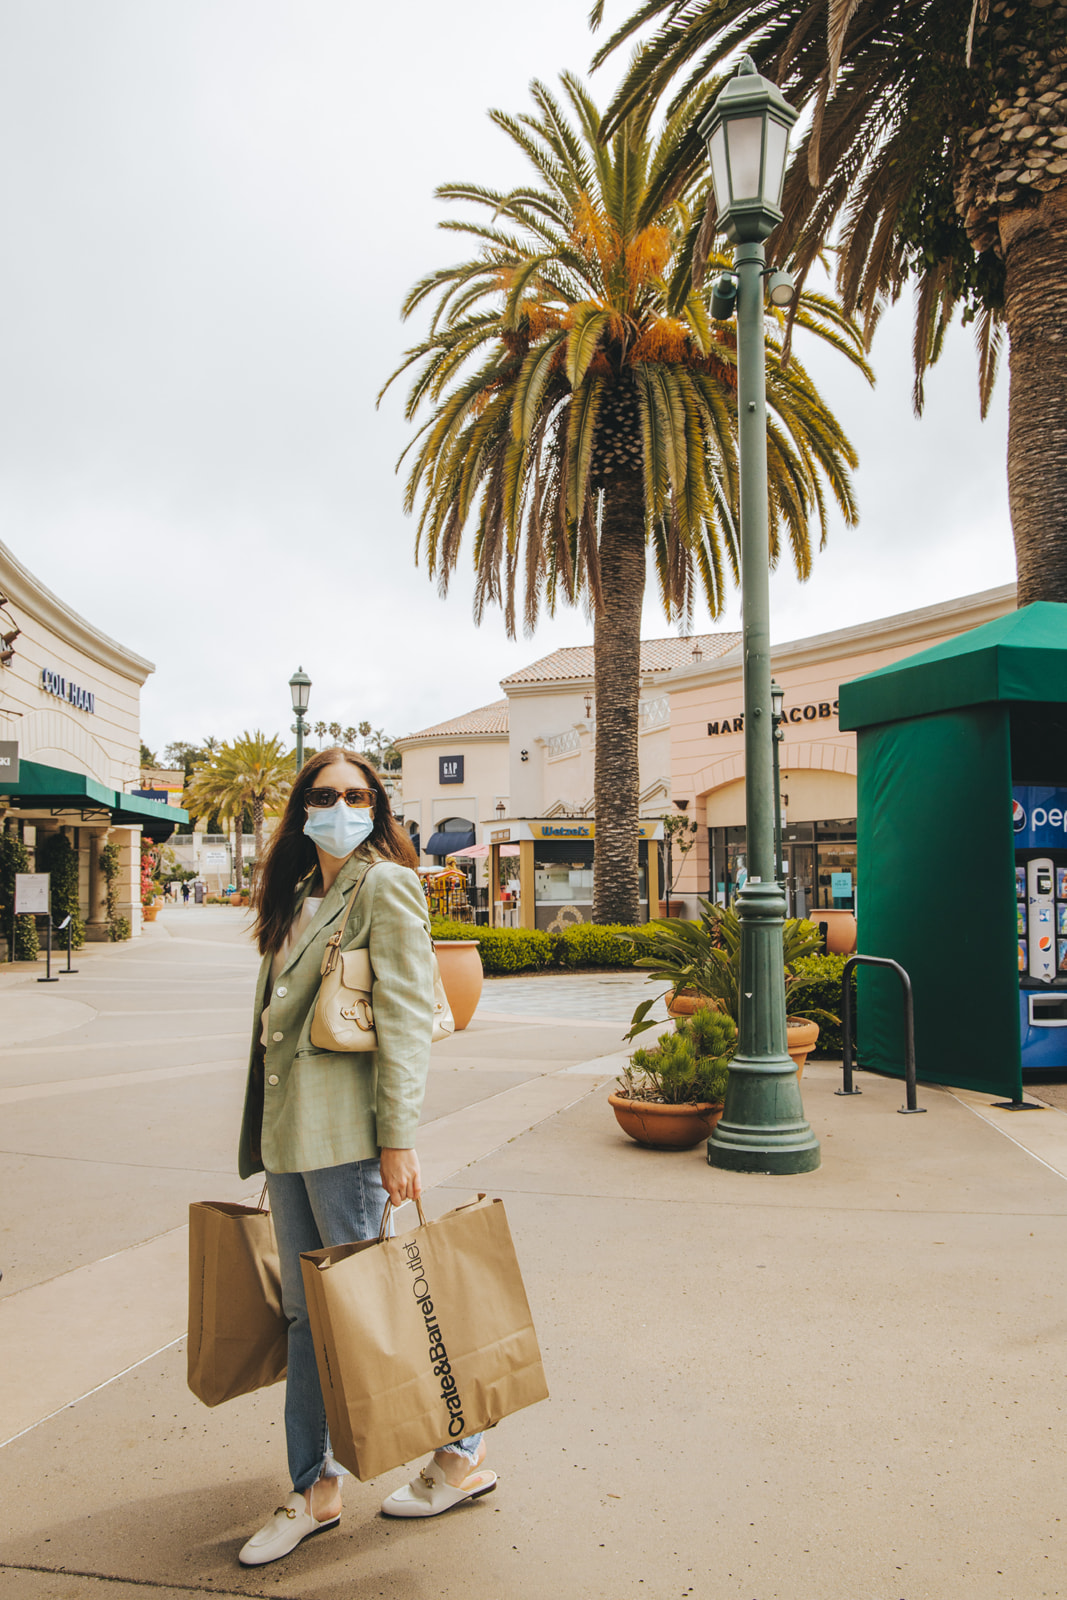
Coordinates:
x,y
799,863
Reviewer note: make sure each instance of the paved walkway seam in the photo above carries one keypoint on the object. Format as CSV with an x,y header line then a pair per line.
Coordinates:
x,y
140,1583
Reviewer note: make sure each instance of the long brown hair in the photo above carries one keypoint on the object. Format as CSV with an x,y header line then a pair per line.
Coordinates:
x,y
291,854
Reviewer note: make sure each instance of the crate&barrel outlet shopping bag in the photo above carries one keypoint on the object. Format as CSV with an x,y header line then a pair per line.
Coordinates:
x,y
238,1333
421,1339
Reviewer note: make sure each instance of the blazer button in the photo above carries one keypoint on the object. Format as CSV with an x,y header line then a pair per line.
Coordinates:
x,y
273,1078
277,1037
280,990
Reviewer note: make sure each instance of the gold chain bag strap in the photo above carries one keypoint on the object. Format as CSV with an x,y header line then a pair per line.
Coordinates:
x,y
344,1010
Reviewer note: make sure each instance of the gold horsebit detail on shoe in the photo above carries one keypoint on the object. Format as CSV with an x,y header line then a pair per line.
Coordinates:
x,y
428,1479
286,1511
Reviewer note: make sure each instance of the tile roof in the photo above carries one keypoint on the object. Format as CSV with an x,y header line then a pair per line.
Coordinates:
x,y
657,655
486,719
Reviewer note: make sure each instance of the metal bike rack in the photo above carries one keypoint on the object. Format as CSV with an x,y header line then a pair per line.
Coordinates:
x,y
909,1028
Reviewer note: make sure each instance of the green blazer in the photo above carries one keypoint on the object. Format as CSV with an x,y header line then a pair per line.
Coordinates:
x,y
307,1108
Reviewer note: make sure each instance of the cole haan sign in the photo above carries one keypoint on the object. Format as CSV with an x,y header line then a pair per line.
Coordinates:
x,y
817,711
63,689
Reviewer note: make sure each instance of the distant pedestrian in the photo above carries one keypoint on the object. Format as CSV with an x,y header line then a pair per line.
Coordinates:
x,y
185,892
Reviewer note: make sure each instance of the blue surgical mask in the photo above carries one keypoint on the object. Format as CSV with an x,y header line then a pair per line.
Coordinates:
x,y
340,828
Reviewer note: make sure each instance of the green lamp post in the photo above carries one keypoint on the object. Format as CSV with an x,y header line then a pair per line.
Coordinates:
x,y
762,1127
778,719
300,689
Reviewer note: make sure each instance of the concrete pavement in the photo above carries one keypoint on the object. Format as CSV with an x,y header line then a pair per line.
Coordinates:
x,y
843,1385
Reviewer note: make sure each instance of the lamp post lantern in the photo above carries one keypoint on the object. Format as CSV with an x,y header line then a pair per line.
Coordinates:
x,y
300,689
762,1127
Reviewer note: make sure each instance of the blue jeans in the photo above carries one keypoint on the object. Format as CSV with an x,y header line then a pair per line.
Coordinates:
x,y
333,1205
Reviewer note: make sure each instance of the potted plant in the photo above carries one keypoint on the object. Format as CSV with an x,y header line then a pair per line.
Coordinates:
x,y
151,895
703,959
670,1097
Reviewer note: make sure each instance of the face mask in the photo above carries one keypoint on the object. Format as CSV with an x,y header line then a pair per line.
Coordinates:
x,y
339,828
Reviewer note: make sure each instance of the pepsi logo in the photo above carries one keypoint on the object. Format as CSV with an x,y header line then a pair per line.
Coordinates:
x,y
1045,942
1018,816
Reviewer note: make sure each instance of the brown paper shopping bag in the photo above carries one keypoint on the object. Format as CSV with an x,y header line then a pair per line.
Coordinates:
x,y
422,1339
238,1333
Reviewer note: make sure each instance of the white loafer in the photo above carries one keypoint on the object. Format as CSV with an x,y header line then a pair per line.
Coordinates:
x,y
431,1493
289,1525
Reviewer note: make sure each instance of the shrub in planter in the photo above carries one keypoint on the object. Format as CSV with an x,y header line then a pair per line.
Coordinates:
x,y
688,1066
821,976
671,1097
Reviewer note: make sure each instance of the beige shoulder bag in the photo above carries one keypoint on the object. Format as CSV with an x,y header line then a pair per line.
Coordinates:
x,y
344,1010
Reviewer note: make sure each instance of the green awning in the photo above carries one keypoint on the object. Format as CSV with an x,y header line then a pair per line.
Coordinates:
x,y
1022,656
40,786
133,808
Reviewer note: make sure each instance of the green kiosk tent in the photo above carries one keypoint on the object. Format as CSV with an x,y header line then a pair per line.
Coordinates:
x,y
942,736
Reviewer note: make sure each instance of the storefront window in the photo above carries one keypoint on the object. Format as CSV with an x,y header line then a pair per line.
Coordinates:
x,y
836,848
563,883
817,857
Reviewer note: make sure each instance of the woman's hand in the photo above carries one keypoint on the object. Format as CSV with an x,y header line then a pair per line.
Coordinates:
x,y
401,1179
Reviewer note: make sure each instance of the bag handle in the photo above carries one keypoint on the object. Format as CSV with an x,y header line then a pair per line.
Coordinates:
x,y
387,1216
333,943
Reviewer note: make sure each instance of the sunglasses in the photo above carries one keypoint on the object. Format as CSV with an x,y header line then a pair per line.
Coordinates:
x,y
330,797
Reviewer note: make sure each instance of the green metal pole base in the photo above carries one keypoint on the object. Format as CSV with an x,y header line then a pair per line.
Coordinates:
x,y
759,1142
763,1127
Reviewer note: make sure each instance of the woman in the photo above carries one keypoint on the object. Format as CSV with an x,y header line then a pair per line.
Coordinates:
x,y
335,1131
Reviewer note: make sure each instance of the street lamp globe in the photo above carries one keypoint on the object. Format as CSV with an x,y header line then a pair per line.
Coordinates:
x,y
777,701
300,688
747,135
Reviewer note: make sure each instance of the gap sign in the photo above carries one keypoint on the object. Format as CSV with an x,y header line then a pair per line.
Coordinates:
x,y
450,769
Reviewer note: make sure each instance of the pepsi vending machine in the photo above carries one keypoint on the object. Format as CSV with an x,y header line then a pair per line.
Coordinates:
x,y
1039,816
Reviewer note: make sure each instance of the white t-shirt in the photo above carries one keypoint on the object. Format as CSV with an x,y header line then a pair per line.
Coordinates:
x,y
296,929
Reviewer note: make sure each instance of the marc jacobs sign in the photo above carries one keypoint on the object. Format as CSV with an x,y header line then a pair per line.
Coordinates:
x,y
63,689
815,711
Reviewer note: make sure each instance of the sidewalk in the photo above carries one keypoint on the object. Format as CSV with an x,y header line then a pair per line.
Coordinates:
x,y
846,1385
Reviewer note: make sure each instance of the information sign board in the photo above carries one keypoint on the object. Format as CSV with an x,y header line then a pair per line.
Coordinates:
x,y
31,893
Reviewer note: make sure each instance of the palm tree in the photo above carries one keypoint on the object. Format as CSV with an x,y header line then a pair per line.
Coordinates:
x,y
253,771
936,154
581,412
349,736
320,730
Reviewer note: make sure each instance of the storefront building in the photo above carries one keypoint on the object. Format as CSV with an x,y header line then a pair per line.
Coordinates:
x,y
70,741
817,761
514,782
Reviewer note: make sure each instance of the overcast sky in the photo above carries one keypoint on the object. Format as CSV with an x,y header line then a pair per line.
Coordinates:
x,y
212,210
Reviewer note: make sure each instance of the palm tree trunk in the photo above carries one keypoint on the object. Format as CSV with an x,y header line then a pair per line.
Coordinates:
x,y
617,650
239,852
1034,244
257,828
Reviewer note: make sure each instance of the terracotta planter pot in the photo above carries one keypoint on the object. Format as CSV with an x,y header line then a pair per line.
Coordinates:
x,y
840,930
461,974
683,1003
150,913
660,1127
800,1040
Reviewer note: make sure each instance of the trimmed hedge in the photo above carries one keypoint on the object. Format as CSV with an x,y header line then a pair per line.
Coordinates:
x,y
584,944
826,992
591,944
502,949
